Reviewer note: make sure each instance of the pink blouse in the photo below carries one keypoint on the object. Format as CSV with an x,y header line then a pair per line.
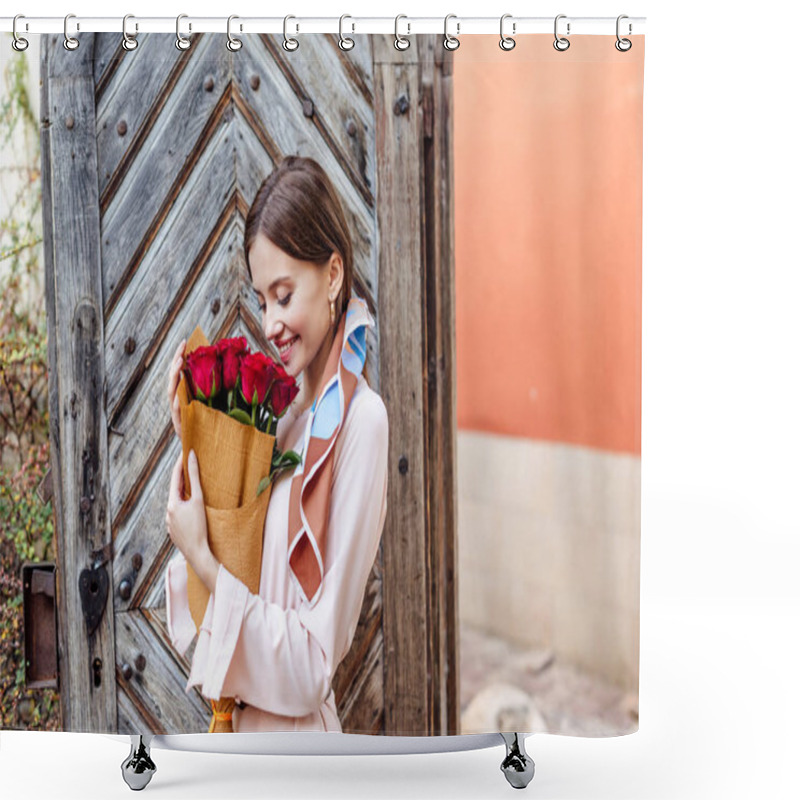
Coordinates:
x,y
270,650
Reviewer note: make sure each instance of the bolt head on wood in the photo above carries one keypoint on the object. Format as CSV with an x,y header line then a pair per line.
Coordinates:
x,y
215,306
70,122
208,83
122,127
352,129
136,561
127,671
130,345
401,105
140,662
308,107
403,465
125,589
255,82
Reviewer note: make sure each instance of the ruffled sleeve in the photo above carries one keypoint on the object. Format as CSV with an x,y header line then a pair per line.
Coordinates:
x,y
180,625
283,660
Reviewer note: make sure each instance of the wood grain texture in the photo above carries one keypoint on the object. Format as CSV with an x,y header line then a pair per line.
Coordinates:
x,y
160,252
77,411
398,130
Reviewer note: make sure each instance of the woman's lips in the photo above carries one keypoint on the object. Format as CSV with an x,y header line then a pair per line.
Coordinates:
x,y
284,354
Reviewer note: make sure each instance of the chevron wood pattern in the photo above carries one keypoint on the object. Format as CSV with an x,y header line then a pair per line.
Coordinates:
x,y
183,140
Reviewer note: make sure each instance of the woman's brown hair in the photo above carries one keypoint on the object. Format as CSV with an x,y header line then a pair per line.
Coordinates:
x,y
298,210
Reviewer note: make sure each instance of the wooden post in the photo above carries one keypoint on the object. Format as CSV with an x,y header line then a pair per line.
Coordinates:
x,y
436,66
415,300
71,227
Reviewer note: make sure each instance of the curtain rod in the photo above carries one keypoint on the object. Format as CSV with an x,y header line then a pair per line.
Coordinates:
x,y
457,26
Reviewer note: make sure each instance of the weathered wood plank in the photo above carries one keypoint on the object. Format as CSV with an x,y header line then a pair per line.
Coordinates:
x,y
79,447
109,54
384,51
446,380
125,117
274,105
143,420
398,130
440,380
343,117
357,61
152,183
138,322
157,691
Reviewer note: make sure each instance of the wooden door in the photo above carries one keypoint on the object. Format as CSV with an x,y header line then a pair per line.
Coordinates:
x,y
150,159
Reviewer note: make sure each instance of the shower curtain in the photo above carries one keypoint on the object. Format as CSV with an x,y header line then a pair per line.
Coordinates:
x,y
475,564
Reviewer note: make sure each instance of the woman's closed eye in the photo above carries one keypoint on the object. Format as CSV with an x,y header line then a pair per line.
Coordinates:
x,y
283,301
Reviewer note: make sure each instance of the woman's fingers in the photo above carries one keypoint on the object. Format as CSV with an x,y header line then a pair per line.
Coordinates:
x,y
172,386
176,415
175,484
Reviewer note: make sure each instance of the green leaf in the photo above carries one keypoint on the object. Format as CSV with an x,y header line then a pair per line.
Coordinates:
x,y
263,484
240,415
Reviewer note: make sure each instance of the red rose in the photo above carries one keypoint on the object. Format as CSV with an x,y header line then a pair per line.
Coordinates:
x,y
284,390
258,373
231,353
205,372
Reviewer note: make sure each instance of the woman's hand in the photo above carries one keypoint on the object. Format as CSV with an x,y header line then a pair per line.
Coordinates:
x,y
186,519
172,387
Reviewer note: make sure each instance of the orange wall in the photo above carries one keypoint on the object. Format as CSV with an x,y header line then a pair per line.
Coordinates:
x,y
548,221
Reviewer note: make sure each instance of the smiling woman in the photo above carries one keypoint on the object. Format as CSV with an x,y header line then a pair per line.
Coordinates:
x,y
298,628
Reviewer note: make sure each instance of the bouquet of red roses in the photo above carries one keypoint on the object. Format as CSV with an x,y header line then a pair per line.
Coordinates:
x,y
230,401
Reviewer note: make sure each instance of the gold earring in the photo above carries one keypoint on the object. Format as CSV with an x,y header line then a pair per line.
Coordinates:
x,y
333,313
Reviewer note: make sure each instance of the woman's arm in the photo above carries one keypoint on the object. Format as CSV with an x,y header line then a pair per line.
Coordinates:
x,y
282,660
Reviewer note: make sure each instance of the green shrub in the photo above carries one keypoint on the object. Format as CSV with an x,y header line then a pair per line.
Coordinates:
x,y
26,525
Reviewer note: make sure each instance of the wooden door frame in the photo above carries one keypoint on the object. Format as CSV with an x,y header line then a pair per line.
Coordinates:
x,y
413,118
76,381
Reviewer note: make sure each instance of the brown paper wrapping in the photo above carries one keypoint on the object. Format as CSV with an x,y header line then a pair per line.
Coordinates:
x,y
232,459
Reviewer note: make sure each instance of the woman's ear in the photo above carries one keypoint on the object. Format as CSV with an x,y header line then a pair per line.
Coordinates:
x,y
336,276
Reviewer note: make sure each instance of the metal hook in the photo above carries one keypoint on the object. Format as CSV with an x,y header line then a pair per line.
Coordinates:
x,y
506,42
19,43
233,44
346,43
561,44
70,42
451,42
128,42
181,42
401,42
623,48
289,43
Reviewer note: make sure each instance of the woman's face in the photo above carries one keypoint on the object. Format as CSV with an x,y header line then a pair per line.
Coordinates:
x,y
294,297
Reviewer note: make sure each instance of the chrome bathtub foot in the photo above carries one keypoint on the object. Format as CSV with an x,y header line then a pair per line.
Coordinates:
x,y
138,768
517,766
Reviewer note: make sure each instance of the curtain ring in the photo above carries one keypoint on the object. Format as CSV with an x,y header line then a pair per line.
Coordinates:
x,y
289,43
623,48
346,43
401,42
561,44
19,43
506,42
233,44
181,42
70,42
128,42
451,42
